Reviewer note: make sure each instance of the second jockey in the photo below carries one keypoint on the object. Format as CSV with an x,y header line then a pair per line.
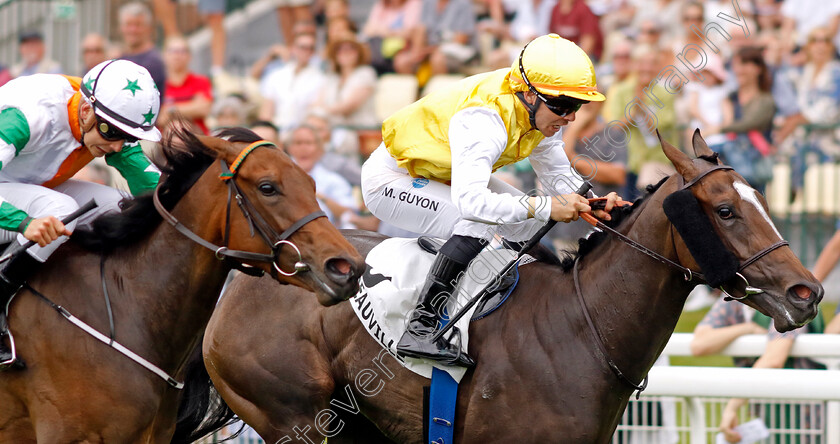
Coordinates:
x,y
50,127
432,172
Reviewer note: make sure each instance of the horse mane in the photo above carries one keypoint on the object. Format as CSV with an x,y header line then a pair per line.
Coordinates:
x,y
185,159
619,215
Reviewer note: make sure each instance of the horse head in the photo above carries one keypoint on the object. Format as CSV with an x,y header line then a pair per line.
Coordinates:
x,y
726,232
272,211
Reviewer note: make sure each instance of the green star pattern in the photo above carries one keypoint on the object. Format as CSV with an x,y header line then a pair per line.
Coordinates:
x,y
132,86
89,84
147,118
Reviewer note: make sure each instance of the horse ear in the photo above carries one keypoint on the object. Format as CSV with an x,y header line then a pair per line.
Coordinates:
x,y
219,146
701,149
680,160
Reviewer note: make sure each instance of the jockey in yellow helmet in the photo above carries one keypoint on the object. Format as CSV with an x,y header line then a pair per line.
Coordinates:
x,y
432,173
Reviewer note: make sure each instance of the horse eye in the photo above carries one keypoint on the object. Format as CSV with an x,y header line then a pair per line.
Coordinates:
x,y
725,213
267,188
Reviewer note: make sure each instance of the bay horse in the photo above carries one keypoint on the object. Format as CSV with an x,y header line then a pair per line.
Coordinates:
x,y
542,374
162,287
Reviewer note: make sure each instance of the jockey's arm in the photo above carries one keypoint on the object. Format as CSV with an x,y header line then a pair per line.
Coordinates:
x,y
14,134
42,230
477,138
140,173
554,172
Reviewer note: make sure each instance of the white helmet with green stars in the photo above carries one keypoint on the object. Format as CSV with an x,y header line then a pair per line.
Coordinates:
x,y
123,94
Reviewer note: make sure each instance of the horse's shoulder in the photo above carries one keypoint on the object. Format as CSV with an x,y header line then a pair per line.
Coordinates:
x,y
363,240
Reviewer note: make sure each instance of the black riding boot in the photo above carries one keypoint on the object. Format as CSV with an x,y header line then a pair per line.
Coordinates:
x,y
416,342
13,273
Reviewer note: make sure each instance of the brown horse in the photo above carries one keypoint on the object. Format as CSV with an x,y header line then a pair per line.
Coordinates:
x,y
541,376
163,288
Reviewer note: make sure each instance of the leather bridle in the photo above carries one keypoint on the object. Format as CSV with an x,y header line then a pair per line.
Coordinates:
x,y
688,273
256,222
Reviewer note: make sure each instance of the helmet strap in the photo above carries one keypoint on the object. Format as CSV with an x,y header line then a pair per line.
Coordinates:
x,y
532,109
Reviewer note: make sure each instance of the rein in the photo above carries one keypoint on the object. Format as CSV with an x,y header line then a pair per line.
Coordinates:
x,y
687,273
256,221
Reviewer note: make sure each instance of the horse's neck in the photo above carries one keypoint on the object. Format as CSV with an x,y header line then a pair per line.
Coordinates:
x,y
174,282
633,299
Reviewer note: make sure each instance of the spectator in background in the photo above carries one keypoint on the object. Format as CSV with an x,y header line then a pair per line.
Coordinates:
x,y
705,103
334,193
818,97
290,12
341,154
749,110
229,112
490,17
828,259
530,21
617,66
631,104
213,12
729,320
290,91
573,20
188,95
338,27
388,31
666,13
5,76
94,50
336,8
33,58
165,12
136,28
801,17
445,37
347,94
278,55
267,131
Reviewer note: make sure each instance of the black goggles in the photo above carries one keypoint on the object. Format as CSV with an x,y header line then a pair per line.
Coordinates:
x,y
111,133
561,105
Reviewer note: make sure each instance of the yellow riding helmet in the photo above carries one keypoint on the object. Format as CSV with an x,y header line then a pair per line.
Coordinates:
x,y
555,67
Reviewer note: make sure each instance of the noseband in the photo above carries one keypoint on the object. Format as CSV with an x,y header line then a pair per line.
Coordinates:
x,y
255,220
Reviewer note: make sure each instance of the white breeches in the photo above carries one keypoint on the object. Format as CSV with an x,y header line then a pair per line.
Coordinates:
x,y
425,206
38,201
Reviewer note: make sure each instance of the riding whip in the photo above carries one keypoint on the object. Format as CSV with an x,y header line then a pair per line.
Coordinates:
x,y
69,218
535,239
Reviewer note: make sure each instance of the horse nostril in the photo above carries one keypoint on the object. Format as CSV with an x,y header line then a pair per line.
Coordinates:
x,y
339,269
801,291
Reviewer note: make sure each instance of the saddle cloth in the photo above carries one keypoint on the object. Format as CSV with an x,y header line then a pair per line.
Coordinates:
x,y
389,289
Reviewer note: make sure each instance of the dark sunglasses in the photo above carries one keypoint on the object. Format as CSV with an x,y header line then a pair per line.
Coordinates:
x,y
561,105
111,133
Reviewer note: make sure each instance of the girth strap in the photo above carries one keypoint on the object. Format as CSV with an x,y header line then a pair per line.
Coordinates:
x,y
108,341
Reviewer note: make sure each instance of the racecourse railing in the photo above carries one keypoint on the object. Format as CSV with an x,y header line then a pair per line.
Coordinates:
x,y
684,404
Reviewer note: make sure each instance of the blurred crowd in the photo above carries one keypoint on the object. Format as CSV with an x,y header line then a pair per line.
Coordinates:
x,y
759,78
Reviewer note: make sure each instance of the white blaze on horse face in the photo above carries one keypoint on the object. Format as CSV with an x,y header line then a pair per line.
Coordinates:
x,y
750,195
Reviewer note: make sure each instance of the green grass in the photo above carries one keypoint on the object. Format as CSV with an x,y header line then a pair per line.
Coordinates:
x,y
689,319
